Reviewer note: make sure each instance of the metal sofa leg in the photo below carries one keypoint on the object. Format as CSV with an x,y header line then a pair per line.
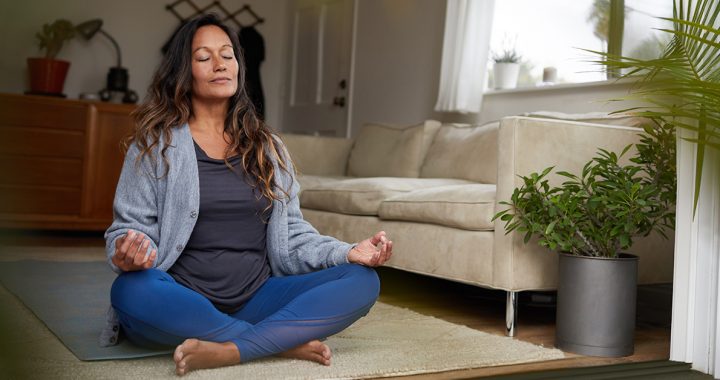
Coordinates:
x,y
511,313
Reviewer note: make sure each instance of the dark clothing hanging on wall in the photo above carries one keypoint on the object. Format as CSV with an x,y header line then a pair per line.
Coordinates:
x,y
253,47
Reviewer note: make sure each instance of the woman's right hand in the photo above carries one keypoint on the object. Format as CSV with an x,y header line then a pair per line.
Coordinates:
x,y
130,252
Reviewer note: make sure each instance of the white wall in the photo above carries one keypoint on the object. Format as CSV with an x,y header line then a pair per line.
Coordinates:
x,y
571,99
398,54
578,98
140,27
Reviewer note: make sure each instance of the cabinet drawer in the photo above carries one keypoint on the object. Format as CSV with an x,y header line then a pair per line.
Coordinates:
x,y
32,111
59,161
42,142
46,171
39,200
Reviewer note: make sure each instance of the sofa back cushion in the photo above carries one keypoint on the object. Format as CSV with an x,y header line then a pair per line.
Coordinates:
x,y
391,151
318,155
463,151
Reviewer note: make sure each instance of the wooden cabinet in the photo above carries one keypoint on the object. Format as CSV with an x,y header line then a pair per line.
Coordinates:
x,y
59,161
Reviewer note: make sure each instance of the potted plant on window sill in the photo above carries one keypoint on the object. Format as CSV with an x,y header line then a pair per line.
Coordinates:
x,y
506,69
591,220
47,74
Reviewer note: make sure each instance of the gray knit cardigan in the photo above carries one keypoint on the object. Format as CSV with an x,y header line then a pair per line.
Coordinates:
x,y
165,209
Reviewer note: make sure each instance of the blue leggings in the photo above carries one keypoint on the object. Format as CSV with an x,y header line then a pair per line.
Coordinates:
x,y
284,313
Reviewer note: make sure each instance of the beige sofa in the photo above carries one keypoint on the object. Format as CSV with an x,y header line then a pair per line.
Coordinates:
x,y
434,189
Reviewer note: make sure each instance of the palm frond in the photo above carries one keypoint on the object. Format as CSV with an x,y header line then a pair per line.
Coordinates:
x,y
682,86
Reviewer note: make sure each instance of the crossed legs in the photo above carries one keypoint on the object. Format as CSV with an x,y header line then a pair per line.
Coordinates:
x,y
287,315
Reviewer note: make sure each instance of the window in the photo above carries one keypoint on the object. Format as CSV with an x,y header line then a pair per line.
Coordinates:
x,y
550,33
641,39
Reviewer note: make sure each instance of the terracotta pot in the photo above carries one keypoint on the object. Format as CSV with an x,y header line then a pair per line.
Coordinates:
x,y
47,76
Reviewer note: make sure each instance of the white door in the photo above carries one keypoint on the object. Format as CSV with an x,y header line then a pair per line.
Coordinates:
x,y
316,94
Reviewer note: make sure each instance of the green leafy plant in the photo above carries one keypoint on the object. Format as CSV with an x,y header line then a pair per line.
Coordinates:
x,y
599,212
52,37
683,85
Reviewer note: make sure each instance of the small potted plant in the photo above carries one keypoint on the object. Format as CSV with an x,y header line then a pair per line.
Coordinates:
x,y
47,74
591,219
506,68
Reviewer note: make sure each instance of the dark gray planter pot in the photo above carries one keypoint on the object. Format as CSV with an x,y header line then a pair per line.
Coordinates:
x,y
596,305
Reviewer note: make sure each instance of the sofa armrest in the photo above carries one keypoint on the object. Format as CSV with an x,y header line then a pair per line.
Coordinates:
x,y
527,145
318,155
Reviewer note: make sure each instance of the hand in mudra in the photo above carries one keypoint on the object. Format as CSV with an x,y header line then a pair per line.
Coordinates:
x,y
372,252
130,252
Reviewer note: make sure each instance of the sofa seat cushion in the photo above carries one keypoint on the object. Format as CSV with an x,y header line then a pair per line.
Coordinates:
x,y
308,181
468,206
362,196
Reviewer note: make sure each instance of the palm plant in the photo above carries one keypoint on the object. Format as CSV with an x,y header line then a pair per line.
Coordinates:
x,y
602,14
682,86
599,15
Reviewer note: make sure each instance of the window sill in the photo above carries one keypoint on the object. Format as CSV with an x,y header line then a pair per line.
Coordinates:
x,y
558,87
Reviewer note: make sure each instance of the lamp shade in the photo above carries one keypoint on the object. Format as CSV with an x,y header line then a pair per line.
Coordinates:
x,y
88,29
117,78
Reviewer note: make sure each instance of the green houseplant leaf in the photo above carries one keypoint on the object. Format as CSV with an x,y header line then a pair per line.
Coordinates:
x,y
599,212
52,36
683,85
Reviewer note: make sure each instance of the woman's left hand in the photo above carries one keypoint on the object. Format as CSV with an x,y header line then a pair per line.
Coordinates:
x,y
372,252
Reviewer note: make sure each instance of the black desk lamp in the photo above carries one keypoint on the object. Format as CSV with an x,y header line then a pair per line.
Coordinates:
x,y
117,77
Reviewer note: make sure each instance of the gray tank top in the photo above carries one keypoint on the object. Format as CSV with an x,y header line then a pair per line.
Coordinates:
x,y
225,259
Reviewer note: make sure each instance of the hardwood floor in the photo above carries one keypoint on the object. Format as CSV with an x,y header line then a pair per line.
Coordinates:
x,y
477,308
484,310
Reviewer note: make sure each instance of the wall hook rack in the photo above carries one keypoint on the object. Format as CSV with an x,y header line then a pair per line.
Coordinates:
x,y
217,6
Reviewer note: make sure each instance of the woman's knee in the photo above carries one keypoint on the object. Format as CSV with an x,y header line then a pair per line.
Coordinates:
x,y
367,279
131,286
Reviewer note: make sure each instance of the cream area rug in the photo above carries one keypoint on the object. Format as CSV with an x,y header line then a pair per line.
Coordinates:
x,y
389,341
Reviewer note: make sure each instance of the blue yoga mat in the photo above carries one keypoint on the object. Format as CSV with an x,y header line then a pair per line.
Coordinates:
x,y
71,299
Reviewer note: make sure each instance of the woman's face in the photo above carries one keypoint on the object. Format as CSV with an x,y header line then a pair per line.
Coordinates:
x,y
214,67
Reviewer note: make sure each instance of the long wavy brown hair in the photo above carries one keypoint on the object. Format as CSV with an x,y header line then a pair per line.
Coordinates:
x,y
168,105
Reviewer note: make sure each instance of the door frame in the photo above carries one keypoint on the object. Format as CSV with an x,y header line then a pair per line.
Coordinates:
x,y
288,56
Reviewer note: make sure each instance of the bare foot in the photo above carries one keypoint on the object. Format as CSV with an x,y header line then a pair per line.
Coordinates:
x,y
194,354
315,351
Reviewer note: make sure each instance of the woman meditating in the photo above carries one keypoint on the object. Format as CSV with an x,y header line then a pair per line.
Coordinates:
x,y
214,256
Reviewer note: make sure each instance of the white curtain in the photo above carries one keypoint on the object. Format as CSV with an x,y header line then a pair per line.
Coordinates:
x,y
466,45
695,337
